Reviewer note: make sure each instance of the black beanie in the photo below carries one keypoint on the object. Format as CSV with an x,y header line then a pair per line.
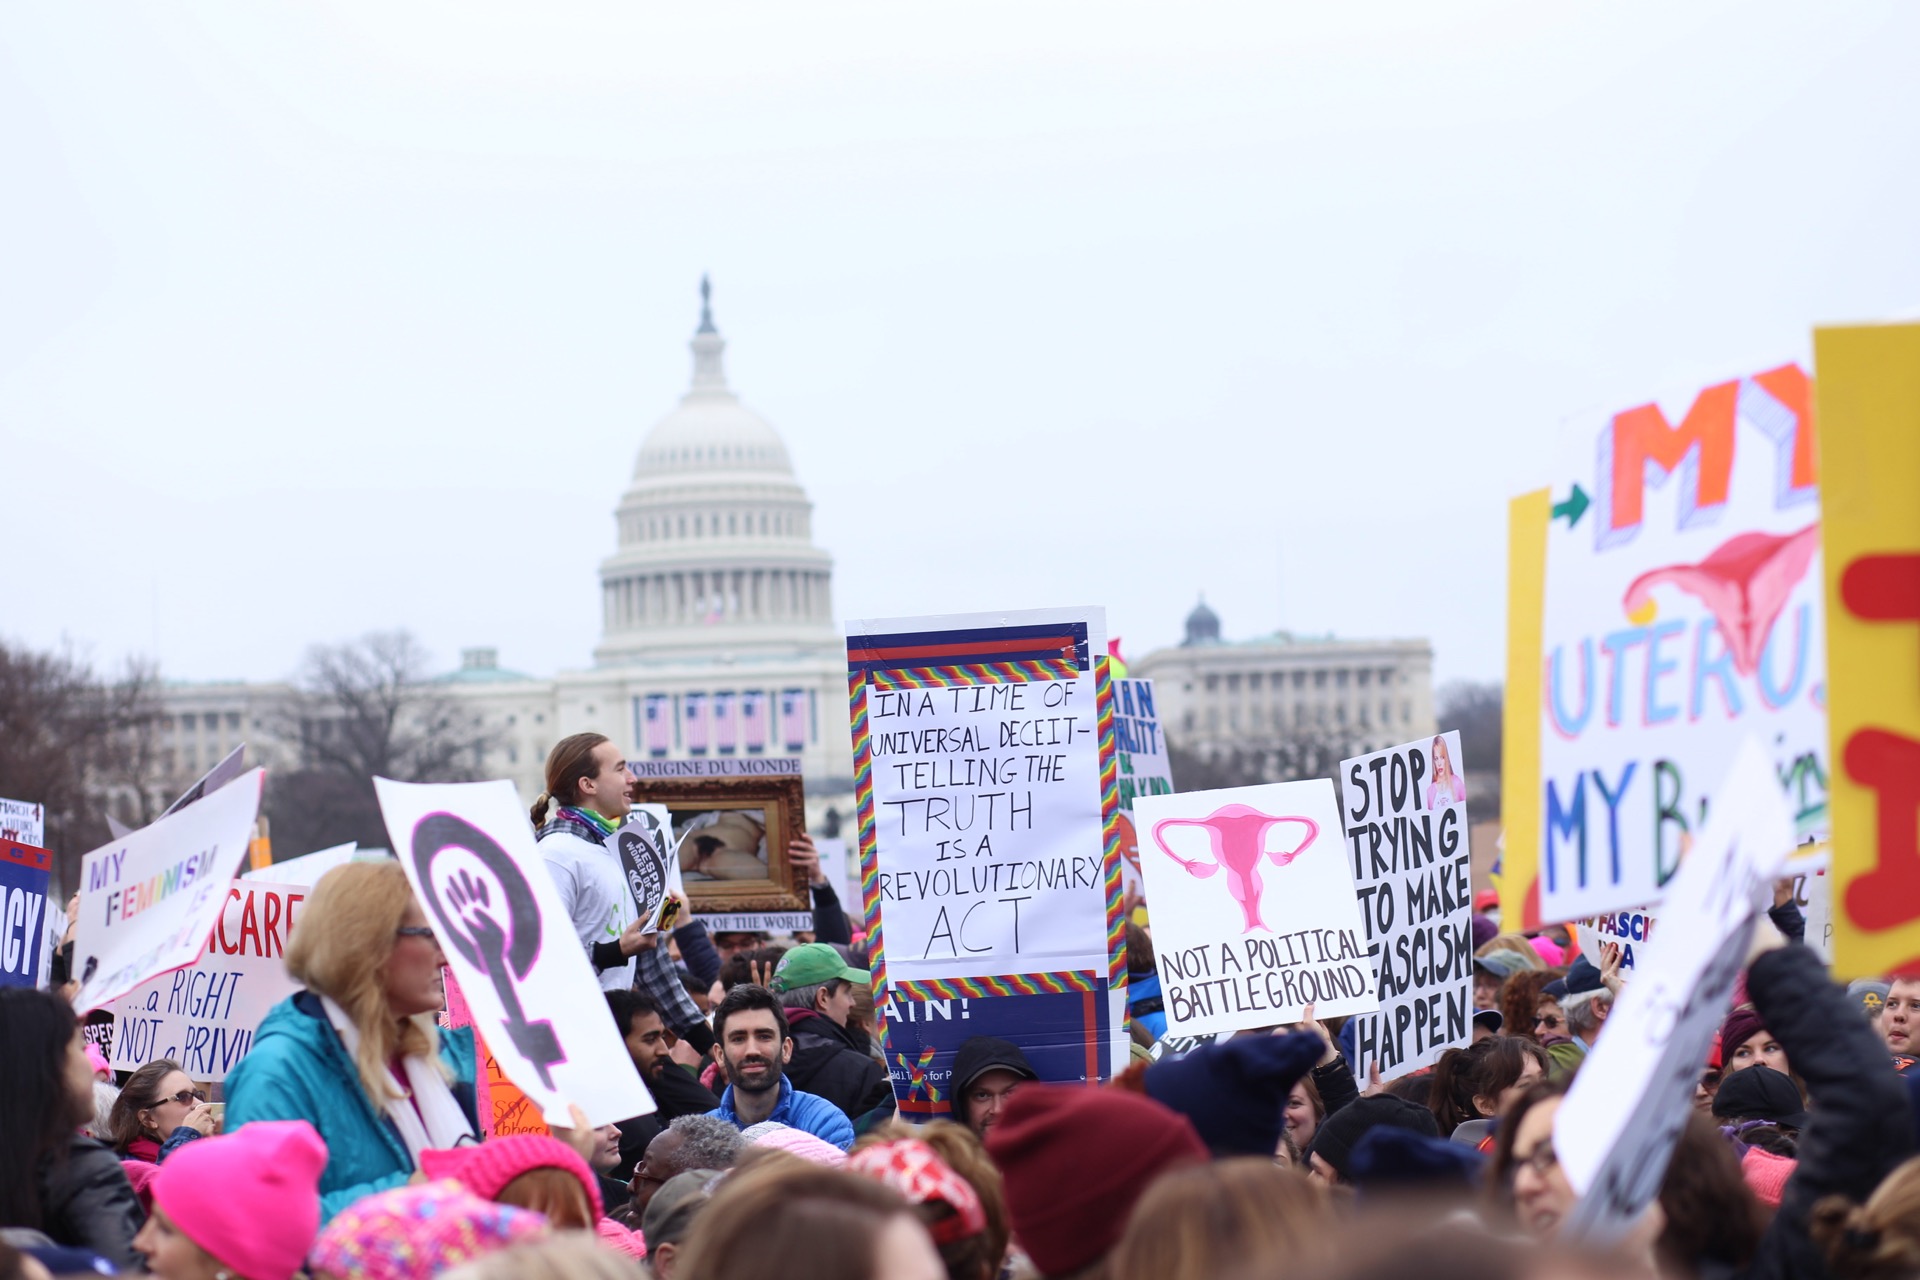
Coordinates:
x,y
1339,1132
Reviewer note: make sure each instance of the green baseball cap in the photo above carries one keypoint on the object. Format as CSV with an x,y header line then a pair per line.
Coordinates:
x,y
811,963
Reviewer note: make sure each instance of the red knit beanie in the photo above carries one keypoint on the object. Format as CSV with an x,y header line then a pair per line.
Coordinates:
x,y
1075,1159
486,1169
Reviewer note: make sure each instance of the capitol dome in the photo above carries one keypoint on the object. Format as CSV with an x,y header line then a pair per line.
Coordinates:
x,y
716,554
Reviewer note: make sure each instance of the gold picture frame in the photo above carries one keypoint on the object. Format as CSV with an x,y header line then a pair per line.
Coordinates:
x,y
714,821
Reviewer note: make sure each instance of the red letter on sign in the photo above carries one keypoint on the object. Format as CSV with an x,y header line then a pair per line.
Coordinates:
x,y
1889,765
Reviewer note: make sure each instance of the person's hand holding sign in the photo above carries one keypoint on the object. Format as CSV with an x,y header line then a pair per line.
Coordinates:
x,y
1329,1051
636,939
803,857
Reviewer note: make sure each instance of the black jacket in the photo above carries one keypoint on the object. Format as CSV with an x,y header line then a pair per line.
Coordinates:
x,y
1862,1124
86,1202
676,1093
829,1061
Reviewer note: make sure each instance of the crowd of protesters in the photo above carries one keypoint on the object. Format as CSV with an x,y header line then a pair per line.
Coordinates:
x,y
351,1144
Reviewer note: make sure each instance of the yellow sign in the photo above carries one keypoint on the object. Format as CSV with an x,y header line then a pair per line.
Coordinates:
x,y
1867,396
1519,879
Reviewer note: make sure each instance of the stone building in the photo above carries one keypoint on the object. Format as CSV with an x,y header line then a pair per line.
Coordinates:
x,y
718,633
1218,696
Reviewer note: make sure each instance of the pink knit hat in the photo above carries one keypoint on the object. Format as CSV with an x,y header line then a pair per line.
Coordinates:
x,y
102,1070
1549,951
413,1233
251,1198
1767,1174
795,1142
486,1169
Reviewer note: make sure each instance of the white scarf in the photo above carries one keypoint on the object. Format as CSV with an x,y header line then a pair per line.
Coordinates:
x,y
445,1124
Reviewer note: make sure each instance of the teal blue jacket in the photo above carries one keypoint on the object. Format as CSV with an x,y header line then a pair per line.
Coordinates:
x,y
298,1069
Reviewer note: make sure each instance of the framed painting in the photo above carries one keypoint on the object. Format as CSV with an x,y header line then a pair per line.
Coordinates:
x,y
730,836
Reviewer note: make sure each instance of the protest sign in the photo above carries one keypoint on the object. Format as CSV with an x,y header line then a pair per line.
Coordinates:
x,y
24,869
469,853
1870,452
1617,1128
23,823
1406,825
1813,894
204,1016
1680,610
722,767
649,861
983,773
1279,930
307,868
1631,931
149,900
1141,751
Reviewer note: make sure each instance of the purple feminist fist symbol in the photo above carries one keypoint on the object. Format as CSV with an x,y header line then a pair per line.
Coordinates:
x,y
1239,836
501,939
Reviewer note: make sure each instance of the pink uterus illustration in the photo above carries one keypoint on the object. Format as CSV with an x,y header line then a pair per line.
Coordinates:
x,y
1238,835
1744,581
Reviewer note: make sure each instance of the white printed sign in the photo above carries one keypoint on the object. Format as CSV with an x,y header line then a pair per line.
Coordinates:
x,y
204,1016
469,853
26,823
1406,827
1617,1128
1254,910
149,900
307,868
649,861
1684,611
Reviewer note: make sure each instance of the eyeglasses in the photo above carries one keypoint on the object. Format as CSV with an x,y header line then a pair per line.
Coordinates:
x,y
414,931
1541,1160
1549,1021
187,1097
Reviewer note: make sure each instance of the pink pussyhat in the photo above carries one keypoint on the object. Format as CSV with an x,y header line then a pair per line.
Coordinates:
x,y
795,1142
102,1070
486,1169
251,1198
1549,951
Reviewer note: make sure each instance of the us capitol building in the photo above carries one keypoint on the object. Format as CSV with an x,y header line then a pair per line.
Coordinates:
x,y
718,634
719,640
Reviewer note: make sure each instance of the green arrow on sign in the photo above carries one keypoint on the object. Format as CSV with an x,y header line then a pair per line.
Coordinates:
x,y
1573,508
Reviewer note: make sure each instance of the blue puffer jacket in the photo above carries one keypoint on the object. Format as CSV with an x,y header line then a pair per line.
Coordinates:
x,y
299,1070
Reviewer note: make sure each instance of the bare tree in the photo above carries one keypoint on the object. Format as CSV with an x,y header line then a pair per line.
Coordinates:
x,y
78,743
1477,711
1307,754
361,710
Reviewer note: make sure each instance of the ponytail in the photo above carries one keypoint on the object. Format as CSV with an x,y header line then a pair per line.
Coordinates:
x,y
570,762
1878,1240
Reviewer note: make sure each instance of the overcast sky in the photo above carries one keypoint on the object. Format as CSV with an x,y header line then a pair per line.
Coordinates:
x,y
322,319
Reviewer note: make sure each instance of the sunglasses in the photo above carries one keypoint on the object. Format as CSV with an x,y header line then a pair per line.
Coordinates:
x,y
186,1097
414,931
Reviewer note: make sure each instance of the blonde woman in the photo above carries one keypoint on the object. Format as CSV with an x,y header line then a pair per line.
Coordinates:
x,y
357,1054
1447,786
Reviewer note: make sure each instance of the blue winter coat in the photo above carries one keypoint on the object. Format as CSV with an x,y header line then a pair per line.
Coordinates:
x,y
298,1069
799,1110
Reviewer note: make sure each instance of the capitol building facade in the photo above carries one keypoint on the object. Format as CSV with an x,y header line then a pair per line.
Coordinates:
x,y
718,632
719,641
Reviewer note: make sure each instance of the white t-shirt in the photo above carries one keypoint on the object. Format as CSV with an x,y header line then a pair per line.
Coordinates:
x,y
591,885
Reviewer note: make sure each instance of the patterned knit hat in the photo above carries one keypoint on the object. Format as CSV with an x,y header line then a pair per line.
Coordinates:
x,y
910,1167
413,1233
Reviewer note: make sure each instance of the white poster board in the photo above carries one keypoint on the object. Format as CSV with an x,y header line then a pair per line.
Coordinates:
x,y
469,853
1684,611
307,868
649,862
978,780
1617,1129
24,822
1254,910
204,1016
1406,828
149,900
